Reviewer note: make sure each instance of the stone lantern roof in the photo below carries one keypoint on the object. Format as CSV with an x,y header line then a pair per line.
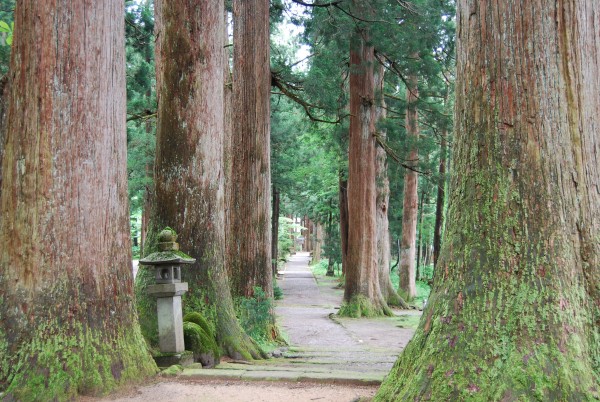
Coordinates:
x,y
169,253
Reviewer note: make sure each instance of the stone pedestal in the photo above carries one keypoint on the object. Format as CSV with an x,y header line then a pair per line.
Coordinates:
x,y
170,320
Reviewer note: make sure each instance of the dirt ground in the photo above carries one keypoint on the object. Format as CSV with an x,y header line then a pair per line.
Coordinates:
x,y
226,391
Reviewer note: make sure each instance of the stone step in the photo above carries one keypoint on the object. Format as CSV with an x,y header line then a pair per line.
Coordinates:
x,y
286,374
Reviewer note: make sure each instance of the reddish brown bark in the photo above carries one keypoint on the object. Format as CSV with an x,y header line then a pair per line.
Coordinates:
x,y
343,204
275,229
189,179
514,311
407,286
362,293
383,198
440,199
66,313
4,95
250,198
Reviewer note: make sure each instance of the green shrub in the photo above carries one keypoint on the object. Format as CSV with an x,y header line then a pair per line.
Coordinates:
x,y
203,345
255,315
277,292
199,319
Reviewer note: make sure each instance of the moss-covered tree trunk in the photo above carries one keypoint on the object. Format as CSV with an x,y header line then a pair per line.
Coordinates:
x,y
410,206
362,293
383,198
514,312
249,252
189,179
67,316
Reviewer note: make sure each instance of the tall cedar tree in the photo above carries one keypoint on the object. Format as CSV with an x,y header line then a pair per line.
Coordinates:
x,y
362,294
189,180
383,198
407,286
514,312
67,318
249,237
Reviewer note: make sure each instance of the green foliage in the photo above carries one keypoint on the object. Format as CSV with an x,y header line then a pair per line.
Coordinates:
x,y
6,33
203,345
286,237
141,106
277,292
255,315
8,30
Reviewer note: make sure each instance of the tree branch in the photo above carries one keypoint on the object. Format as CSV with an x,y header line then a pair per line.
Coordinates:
x,y
279,84
302,3
390,152
147,114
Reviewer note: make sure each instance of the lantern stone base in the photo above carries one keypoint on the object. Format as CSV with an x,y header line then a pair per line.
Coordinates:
x,y
165,360
170,320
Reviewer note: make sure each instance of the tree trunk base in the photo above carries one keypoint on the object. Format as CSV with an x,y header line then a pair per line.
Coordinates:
x,y
242,347
361,306
75,361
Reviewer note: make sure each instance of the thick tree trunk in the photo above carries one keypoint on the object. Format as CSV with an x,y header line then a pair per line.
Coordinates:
x,y
67,316
362,294
407,287
440,199
275,230
383,198
189,179
250,198
514,312
343,201
227,138
318,243
4,97
420,247
328,239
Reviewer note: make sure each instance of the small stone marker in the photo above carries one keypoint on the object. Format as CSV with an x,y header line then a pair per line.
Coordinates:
x,y
168,290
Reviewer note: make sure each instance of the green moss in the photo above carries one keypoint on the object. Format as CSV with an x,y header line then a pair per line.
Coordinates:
x,y
60,363
199,319
202,344
360,306
172,371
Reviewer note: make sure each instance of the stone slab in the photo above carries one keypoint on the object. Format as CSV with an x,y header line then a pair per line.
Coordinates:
x,y
168,289
213,373
271,375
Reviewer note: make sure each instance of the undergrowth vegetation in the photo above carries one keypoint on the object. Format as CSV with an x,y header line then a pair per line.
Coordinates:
x,y
423,288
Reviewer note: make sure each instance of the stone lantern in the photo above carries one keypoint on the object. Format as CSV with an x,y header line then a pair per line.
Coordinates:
x,y
168,290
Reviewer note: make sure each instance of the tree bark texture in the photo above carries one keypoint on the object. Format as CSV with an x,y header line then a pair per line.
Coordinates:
x,y
67,317
383,199
440,198
275,230
514,312
318,243
407,286
343,201
4,96
189,179
250,198
362,294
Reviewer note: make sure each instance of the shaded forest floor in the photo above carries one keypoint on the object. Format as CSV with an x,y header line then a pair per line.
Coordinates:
x,y
328,358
